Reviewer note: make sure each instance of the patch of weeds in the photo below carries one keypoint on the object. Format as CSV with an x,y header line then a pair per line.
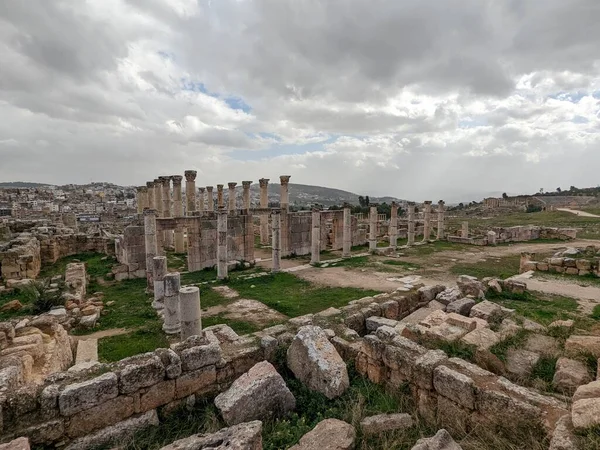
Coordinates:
x,y
496,318
539,307
239,326
457,349
404,264
98,265
143,340
517,341
503,267
293,296
589,439
596,313
544,369
357,261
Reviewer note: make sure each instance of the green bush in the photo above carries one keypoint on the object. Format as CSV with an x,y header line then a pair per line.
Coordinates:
x,y
42,296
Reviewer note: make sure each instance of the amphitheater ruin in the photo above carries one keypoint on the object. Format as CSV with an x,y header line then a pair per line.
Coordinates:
x,y
54,393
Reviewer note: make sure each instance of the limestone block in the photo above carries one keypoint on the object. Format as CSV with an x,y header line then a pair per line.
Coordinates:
x,y
87,394
452,417
170,361
455,386
484,310
428,293
467,323
21,443
374,322
449,295
583,344
462,306
199,351
471,286
482,338
245,436
572,271
385,422
316,362
117,433
542,267
521,362
390,309
563,437
441,441
260,393
329,434
200,380
157,395
140,371
556,262
87,350
570,374
101,416
585,413
540,343
583,264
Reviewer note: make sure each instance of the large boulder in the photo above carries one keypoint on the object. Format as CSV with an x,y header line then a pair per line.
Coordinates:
x,y
570,374
258,394
329,434
441,441
469,285
245,436
385,422
316,362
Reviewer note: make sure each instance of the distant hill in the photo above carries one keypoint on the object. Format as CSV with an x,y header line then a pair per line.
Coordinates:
x,y
21,184
302,194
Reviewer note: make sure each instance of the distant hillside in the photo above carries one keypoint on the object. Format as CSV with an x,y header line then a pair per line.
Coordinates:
x,y
21,184
302,194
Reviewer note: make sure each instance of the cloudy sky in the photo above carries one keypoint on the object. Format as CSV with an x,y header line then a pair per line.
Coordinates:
x,y
420,99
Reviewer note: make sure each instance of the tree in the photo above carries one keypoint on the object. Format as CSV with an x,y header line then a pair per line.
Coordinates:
x,y
361,201
505,196
559,190
367,201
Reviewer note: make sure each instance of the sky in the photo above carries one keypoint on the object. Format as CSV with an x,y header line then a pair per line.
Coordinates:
x,y
418,99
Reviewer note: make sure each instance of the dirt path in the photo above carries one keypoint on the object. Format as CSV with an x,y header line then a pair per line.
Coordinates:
x,y
103,334
577,213
358,278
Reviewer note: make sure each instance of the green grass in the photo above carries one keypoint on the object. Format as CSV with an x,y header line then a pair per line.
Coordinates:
x,y
293,296
503,267
435,247
517,341
97,265
239,326
596,313
544,371
539,307
403,264
147,339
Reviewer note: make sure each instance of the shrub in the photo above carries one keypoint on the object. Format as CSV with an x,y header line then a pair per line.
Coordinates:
x,y
42,296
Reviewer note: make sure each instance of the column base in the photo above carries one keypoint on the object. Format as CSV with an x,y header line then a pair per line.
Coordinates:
x,y
171,329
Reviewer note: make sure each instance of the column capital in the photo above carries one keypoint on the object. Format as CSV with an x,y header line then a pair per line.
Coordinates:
x,y
149,212
190,175
394,204
441,203
142,189
149,184
284,179
275,211
373,205
263,182
427,202
246,184
164,180
209,188
221,210
158,181
219,187
177,180
201,190
232,184
347,205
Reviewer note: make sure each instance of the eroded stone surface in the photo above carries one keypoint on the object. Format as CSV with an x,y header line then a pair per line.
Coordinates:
x,y
385,422
245,436
441,441
329,434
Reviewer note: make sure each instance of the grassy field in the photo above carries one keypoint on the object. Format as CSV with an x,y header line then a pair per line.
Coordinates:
x,y
590,226
503,267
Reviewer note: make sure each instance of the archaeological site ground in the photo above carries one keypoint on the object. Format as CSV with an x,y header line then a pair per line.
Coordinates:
x,y
185,317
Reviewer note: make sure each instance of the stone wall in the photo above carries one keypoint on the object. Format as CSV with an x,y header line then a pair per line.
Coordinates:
x,y
53,248
299,233
20,258
130,251
569,266
517,234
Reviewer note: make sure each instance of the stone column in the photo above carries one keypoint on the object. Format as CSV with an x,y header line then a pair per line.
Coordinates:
x,y
210,201
464,232
347,237
201,199
426,220
264,203
246,194
315,248
393,231
491,238
166,210
411,224
158,196
231,196
373,227
140,191
171,317
190,312
178,212
194,250
190,191
276,245
440,220
220,200
221,243
150,243
151,197
159,270
284,198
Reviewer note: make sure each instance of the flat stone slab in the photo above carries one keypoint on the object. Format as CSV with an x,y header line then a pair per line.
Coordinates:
x,y
329,434
418,316
521,362
87,351
385,422
245,436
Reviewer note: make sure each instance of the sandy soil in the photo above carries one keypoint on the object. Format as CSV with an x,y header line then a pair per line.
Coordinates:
x,y
246,310
577,213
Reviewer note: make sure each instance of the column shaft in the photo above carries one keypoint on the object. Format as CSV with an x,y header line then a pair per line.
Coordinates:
x,y
441,232
210,201
231,197
284,196
159,267
373,228
426,221
150,243
276,245
246,194
171,317
464,233
221,244
190,312
178,212
151,197
411,224
315,252
201,199
264,218
347,238
220,199
393,231
190,192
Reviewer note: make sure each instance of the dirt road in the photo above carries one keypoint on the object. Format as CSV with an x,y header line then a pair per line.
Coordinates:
x,y
577,213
